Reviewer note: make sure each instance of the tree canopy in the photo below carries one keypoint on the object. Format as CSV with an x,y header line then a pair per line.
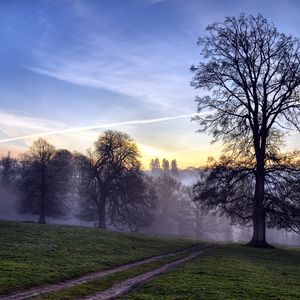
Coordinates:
x,y
45,180
111,182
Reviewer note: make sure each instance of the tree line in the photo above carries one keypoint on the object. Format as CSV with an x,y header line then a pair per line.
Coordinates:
x,y
106,187
107,182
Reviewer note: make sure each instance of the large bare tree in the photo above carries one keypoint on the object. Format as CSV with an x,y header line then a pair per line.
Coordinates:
x,y
251,75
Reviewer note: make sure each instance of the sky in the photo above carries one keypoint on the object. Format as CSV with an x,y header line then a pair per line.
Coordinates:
x,y
71,69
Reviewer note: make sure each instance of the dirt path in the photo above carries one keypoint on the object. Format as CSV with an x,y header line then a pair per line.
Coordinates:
x,y
89,277
124,287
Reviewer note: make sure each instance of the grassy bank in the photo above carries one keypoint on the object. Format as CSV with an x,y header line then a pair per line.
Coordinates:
x,y
230,272
32,255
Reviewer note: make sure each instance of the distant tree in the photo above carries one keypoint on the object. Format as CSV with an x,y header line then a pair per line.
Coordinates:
x,y
111,164
87,187
198,218
8,171
133,204
168,190
44,181
155,167
165,166
185,214
152,164
174,168
9,168
252,75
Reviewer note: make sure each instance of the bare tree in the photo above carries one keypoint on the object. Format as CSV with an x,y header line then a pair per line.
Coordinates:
x,y
165,166
133,204
252,75
174,168
45,180
113,157
169,191
228,188
8,171
155,167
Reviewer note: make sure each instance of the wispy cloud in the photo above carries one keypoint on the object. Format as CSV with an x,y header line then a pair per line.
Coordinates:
x,y
154,1
145,67
11,121
137,77
93,127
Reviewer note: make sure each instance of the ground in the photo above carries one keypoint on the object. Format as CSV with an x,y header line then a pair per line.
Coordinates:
x,y
230,272
32,255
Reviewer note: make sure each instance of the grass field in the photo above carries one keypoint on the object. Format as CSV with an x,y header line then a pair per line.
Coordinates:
x,y
230,272
101,284
31,254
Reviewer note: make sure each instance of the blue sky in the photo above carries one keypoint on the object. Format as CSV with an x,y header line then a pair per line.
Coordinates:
x,y
69,64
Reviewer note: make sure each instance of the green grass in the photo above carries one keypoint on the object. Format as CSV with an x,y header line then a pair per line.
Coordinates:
x,y
104,283
32,255
230,272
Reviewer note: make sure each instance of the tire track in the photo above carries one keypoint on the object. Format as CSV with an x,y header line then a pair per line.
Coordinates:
x,y
32,292
124,287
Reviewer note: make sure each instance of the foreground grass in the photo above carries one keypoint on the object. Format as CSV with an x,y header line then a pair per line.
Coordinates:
x,y
32,255
230,272
104,283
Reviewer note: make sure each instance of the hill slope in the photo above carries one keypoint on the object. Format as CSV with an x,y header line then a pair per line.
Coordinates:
x,y
32,255
230,272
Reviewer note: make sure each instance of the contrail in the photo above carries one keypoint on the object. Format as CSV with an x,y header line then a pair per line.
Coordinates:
x,y
85,128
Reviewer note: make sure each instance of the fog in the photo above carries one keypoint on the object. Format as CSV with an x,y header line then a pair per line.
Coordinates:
x,y
180,218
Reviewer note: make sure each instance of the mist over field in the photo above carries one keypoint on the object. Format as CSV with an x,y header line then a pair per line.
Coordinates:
x,y
213,227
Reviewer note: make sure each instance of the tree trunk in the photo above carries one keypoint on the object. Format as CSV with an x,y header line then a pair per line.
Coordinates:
x,y
259,214
198,223
42,218
102,212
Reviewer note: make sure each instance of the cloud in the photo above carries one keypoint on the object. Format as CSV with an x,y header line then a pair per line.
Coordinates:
x,y
93,127
143,80
10,121
124,59
155,1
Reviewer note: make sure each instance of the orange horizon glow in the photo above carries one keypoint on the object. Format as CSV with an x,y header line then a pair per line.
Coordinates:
x,y
189,158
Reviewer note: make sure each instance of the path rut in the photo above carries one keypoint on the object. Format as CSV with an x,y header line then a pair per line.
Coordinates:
x,y
32,292
124,287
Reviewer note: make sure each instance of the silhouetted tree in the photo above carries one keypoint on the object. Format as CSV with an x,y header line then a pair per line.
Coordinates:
x,y
8,171
168,190
114,157
165,166
229,189
252,74
44,181
174,168
155,167
185,218
133,203
152,164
